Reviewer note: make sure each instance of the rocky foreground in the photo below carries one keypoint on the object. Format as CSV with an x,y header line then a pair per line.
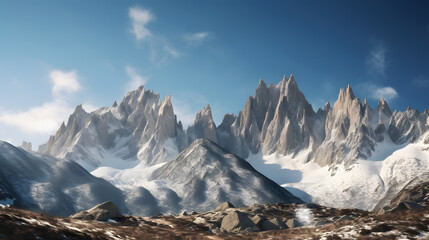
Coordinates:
x,y
268,221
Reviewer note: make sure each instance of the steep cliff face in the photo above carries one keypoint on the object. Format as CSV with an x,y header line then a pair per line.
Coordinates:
x,y
141,127
276,119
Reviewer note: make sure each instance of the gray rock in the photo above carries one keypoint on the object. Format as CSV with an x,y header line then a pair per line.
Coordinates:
x,y
225,205
258,219
293,223
236,221
101,212
273,224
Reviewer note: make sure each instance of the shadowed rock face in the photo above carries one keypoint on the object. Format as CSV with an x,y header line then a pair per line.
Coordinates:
x,y
42,183
208,175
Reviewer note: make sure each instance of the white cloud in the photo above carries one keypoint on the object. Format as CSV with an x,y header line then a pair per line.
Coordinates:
x,y
64,81
377,60
196,37
135,79
388,93
139,18
40,119
46,118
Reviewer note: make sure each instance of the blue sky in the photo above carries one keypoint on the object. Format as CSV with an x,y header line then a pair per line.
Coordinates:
x,y
57,54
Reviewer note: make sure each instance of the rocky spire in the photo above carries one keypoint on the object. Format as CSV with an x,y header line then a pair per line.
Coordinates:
x,y
327,106
203,126
383,107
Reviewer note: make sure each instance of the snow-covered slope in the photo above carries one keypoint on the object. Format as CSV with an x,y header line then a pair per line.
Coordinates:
x,y
200,178
42,183
367,184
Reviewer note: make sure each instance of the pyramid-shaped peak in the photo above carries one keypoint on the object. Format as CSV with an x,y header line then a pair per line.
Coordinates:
x,y
79,109
206,111
261,85
204,114
382,102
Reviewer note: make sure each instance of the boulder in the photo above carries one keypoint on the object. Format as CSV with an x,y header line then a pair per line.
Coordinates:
x,y
293,223
225,205
258,219
236,221
100,212
273,224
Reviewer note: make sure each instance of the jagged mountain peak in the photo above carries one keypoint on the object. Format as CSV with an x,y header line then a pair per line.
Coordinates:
x,y
384,107
203,126
346,94
261,84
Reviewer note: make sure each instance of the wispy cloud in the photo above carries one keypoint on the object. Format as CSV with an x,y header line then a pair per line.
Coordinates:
x,y
139,19
377,91
193,38
173,52
135,80
421,81
160,50
377,60
46,118
388,93
64,81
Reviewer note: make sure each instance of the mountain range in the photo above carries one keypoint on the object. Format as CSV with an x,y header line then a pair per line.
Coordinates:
x,y
347,155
